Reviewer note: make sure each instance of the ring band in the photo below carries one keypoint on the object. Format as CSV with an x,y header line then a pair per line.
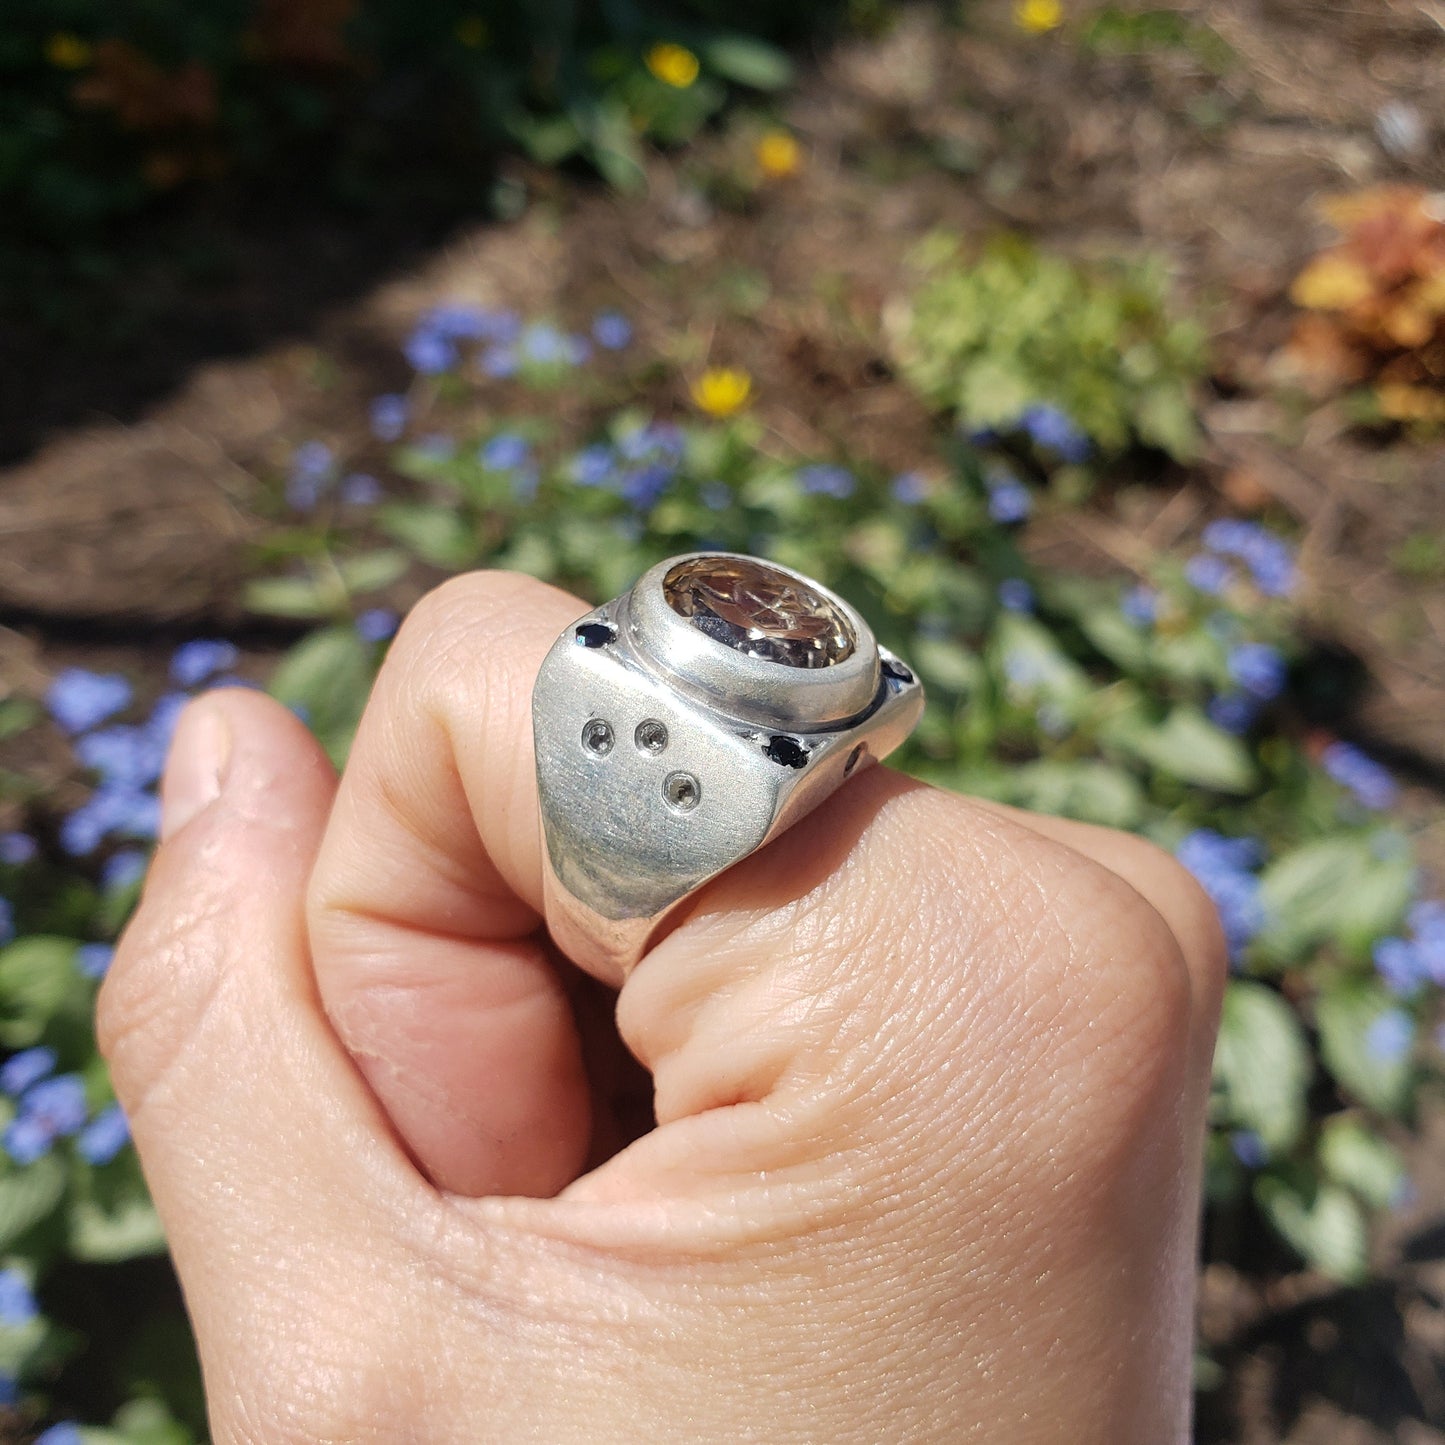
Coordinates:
x,y
683,725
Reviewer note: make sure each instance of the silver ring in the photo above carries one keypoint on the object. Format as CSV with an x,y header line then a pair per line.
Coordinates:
x,y
685,724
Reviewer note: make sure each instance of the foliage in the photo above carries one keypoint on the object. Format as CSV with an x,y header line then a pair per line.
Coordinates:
x,y
1014,329
103,108
1375,303
1157,705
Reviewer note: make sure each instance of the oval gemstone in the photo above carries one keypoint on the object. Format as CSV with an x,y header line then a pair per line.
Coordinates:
x,y
759,610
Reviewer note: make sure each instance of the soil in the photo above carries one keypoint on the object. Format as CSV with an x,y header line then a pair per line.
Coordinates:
x,y
139,490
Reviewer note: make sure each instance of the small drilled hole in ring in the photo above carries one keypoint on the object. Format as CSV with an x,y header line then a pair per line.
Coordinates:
x,y
651,736
597,737
682,791
854,758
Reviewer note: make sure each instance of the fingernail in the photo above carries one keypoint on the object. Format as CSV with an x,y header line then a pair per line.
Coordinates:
x,y
195,766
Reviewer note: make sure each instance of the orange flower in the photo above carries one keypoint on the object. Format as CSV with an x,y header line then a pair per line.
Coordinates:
x,y
143,96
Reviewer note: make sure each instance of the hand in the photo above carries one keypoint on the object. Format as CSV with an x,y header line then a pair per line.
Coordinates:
x,y
930,1078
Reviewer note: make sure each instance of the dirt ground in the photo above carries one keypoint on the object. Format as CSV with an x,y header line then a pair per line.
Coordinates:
x,y
139,463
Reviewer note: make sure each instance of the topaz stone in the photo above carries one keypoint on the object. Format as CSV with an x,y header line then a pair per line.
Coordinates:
x,y
760,610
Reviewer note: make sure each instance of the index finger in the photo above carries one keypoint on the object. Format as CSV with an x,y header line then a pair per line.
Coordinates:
x,y
423,908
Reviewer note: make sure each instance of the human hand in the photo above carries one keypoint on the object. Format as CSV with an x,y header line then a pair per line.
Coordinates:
x,y
930,1078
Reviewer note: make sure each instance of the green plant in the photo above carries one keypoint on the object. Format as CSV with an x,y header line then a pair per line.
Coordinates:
x,y
1158,706
1014,328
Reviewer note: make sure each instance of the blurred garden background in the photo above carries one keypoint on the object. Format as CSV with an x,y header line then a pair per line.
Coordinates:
x,y
1095,350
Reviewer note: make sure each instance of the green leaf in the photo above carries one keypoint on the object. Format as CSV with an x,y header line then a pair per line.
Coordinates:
x,y
747,61
371,571
1187,746
128,1229
1262,1064
27,1196
437,534
1333,890
1344,1012
37,975
294,596
1089,790
948,666
17,714
1357,1157
1325,1224
327,677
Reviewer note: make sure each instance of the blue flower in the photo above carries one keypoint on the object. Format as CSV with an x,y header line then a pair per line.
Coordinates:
x,y
544,345
17,849
1008,499
655,441
1140,605
193,663
1235,712
644,486
9,1389
593,466
500,362
506,452
827,481
65,1433
1052,429
110,809
1223,867
1389,1037
376,624
25,1139
20,1071
311,469
360,489
79,699
1400,964
1258,668
17,1304
93,959
429,351
104,1137
7,920
1015,595
910,488
56,1103
1269,558
389,415
1371,784
166,714
1249,1148
1207,573
124,756
123,869
611,330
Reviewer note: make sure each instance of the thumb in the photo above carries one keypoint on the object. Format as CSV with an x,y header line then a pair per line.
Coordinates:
x,y
245,1112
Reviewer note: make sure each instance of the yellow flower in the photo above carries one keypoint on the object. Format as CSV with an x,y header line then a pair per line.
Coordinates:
x,y
67,52
778,154
1399,401
722,391
1038,16
1331,283
673,64
472,31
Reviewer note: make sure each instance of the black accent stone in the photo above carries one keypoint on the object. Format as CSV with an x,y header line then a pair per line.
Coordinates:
x,y
897,675
596,634
787,752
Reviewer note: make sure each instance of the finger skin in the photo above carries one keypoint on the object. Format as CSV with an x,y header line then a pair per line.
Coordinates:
x,y
423,906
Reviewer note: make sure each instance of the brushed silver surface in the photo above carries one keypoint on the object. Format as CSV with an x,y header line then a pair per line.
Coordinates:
x,y
690,779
